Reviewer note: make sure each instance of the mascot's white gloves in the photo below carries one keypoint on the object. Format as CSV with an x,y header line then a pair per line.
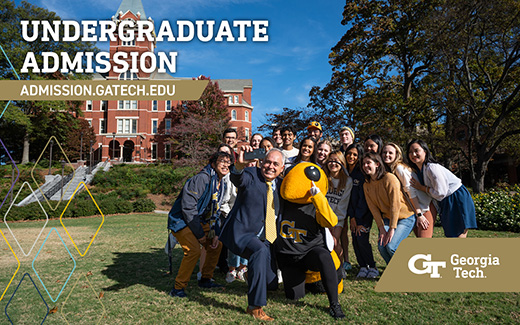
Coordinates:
x,y
314,189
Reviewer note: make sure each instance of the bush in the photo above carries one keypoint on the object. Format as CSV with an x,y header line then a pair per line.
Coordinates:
x,y
123,206
144,205
498,209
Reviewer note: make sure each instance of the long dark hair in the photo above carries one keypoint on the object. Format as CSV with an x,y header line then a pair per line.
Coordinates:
x,y
313,156
427,159
377,139
380,171
360,153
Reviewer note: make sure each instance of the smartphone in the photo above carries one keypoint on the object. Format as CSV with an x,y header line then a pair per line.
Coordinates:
x,y
255,154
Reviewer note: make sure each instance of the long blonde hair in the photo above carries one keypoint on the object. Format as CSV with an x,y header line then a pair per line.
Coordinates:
x,y
398,158
342,176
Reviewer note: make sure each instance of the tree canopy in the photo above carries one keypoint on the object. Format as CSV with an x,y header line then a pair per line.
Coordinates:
x,y
199,124
32,121
445,71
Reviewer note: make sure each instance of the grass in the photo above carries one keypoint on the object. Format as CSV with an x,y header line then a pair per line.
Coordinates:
x,y
127,267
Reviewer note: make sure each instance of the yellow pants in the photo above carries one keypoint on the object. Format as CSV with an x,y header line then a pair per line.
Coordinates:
x,y
192,248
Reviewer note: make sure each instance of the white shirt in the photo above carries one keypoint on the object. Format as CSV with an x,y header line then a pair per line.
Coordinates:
x,y
440,180
405,175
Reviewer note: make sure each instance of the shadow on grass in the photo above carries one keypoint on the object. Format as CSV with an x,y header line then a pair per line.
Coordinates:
x,y
151,269
146,268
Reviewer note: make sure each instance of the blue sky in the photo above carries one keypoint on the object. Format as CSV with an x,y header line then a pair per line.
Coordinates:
x,y
283,70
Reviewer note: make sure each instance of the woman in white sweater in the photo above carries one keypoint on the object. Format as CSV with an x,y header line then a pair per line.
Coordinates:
x,y
419,201
457,209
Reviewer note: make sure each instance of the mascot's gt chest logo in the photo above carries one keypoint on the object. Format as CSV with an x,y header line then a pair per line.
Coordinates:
x,y
287,230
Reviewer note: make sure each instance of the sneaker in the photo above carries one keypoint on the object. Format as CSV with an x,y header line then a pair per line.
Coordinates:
x,y
208,284
372,273
231,276
347,266
240,275
363,272
199,276
335,311
178,293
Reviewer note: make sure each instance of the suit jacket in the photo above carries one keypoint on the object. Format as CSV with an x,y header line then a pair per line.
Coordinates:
x,y
247,218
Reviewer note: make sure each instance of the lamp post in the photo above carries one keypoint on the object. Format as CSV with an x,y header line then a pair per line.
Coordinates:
x,y
62,172
50,157
113,145
81,147
90,165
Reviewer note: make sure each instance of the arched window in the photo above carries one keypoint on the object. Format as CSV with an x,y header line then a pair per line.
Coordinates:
x,y
233,115
128,104
127,75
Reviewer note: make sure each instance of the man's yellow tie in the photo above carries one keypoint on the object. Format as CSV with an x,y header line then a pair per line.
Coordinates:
x,y
270,218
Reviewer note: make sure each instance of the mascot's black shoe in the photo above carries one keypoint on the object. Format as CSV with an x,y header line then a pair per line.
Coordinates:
x,y
335,311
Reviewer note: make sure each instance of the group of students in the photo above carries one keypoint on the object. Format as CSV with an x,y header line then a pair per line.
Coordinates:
x,y
373,180
367,181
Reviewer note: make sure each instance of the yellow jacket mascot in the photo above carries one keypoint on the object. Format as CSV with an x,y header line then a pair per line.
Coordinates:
x,y
301,248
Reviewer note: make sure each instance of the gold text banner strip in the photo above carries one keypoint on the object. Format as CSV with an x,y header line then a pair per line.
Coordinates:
x,y
101,89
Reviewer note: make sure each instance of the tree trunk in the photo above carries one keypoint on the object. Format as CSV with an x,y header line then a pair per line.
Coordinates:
x,y
477,178
25,155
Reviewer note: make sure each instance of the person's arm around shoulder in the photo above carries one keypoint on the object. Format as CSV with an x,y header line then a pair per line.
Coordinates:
x,y
438,180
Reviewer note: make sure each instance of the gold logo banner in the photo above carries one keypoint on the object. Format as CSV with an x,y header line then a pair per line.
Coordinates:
x,y
453,265
101,89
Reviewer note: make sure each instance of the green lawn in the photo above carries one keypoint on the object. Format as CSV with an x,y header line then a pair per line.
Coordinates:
x,y
127,266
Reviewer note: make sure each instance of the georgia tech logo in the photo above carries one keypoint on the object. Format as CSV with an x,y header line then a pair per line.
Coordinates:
x,y
428,267
292,232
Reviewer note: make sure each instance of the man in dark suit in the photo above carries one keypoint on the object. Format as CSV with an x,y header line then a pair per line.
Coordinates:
x,y
248,230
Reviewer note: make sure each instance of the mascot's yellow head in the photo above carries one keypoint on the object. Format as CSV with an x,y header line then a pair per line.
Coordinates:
x,y
298,181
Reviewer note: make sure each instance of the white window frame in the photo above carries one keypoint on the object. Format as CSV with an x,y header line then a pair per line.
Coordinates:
x,y
88,105
127,104
167,151
233,115
247,115
89,120
167,130
103,105
153,152
247,134
168,105
236,99
230,100
155,105
102,122
156,126
124,124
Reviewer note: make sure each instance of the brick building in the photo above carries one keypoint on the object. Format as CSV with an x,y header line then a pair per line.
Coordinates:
x,y
138,130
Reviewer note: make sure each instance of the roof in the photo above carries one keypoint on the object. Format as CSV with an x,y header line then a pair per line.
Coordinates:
x,y
134,6
234,85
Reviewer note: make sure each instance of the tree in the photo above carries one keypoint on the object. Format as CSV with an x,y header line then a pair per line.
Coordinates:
x,y
378,69
480,77
198,125
429,69
16,49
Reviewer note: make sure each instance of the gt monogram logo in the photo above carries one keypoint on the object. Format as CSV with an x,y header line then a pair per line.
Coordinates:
x,y
428,267
288,231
